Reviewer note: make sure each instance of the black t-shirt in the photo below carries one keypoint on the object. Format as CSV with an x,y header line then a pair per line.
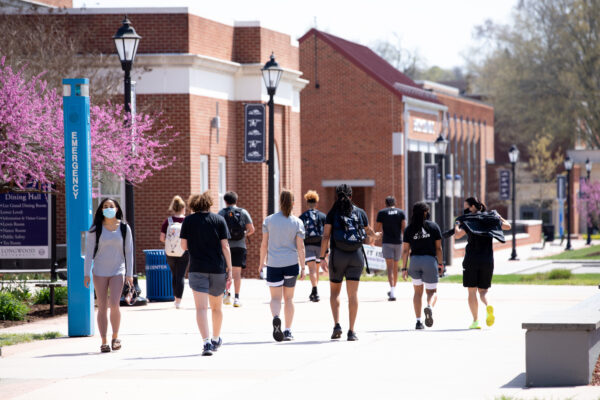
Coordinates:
x,y
423,243
204,232
479,251
391,220
320,222
332,214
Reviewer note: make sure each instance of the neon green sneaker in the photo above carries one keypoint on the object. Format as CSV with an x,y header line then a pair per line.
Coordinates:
x,y
475,325
489,320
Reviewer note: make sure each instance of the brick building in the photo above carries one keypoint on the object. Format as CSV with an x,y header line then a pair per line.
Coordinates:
x,y
367,124
194,69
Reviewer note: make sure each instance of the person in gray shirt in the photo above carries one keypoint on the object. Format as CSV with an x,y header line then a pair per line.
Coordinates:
x,y
240,227
282,252
109,258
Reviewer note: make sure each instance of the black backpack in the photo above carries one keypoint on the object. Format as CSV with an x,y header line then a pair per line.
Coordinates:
x,y
312,226
123,228
233,218
348,232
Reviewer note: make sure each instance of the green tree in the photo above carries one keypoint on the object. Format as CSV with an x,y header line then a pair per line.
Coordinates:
x,y
541,72
543,164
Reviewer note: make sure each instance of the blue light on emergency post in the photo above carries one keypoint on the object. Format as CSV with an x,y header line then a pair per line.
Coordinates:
x,y
78,194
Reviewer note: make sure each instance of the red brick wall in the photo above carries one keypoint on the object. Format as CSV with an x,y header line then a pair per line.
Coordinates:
x,y
347,127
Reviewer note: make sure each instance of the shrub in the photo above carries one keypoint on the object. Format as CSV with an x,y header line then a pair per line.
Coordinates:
x,y
21,292
560,274
11,308
43,296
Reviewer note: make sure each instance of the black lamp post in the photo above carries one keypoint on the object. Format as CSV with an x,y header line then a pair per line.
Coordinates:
x,y
126,42
588,169
513,155
568,167
271,75
441,145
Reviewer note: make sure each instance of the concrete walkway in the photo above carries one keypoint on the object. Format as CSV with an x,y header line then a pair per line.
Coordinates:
x,y
161,358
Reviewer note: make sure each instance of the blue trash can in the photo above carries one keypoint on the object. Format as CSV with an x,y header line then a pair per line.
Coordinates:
x,y
158,276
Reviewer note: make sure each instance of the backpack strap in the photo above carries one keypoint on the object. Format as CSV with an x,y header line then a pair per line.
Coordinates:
x,y
123,227
170,221
366,260
98,233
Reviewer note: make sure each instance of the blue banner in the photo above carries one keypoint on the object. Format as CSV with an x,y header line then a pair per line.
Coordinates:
x,y
254,133
25,223
504,184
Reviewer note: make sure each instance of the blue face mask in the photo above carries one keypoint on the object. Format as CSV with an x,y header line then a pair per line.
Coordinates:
x,y
109,212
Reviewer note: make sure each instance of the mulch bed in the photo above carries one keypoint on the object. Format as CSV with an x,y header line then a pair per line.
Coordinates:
x,y
37,312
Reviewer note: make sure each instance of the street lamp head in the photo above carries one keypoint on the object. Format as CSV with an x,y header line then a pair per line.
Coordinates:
x,y
271,74
588,165
126,41
513,154
441,144
568,163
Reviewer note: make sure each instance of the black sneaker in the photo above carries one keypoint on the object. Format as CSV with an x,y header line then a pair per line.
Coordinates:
x,y
390,297
207,349
287,336
428,316
337,332
352,336
419,325
216,345
277,334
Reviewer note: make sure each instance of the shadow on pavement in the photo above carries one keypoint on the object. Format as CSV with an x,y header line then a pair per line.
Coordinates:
x,y
424,330
91,353
163,357
517,382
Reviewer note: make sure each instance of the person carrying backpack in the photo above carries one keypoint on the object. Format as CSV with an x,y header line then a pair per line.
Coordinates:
x,y
240,227
314,224
177,258
109,258
346,227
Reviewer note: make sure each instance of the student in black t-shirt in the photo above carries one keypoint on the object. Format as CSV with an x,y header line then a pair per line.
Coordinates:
x,y
205,236
314,224
478,264
346,226
393,221
423,240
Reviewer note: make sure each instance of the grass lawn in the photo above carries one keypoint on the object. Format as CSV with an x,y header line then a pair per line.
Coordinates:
x,y
7,339
588,253
541,278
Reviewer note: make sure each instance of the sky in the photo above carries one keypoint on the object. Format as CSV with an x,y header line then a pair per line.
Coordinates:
x,y
440,31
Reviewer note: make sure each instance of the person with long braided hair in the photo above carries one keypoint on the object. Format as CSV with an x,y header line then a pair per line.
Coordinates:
x,y
345,228
423,242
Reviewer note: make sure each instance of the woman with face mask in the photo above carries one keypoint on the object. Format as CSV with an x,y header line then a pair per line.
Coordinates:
x,y
481,228
109,259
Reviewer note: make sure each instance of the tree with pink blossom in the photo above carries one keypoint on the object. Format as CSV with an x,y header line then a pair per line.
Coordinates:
x,y
32,143
589,201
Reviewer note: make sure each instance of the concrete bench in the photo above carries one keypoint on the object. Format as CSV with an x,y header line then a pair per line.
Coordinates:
x,y
562,347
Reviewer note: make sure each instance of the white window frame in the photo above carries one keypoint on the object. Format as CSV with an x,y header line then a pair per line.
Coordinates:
x,y
222,180
203,173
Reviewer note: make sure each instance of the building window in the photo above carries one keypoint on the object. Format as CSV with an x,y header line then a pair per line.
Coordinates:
x,y
222,181
109,186
203,173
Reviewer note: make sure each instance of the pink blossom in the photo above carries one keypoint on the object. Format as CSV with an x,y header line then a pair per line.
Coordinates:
x,y
32,143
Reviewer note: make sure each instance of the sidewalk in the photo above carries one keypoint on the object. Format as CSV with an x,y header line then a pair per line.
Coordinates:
x,y
161,359
528,260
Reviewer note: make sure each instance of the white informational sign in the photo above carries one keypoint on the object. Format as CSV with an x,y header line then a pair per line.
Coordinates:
x,y
375,258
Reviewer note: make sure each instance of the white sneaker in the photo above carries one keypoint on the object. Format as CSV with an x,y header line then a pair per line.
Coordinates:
x,y
237,302
177,305
227,299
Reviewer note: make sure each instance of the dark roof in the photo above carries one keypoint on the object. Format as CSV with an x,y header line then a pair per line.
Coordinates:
x,y
375,66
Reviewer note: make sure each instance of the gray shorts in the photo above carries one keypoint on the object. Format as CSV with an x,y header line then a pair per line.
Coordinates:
x,y
312,253
213,284
392,251
345,264
424,269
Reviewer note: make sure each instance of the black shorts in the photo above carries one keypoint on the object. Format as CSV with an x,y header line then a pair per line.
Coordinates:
x,y
345,264
478,275
238,257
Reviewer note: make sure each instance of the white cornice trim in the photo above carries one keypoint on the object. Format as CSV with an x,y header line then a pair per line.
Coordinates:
x,y
422,106
351,182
